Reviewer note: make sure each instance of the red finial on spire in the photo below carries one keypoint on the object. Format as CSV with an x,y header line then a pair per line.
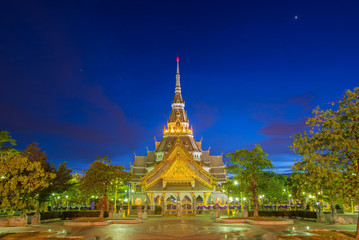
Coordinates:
x,y
177,58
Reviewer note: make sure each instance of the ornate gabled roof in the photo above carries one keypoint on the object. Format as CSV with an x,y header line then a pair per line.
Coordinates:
x,y
167,143
178,167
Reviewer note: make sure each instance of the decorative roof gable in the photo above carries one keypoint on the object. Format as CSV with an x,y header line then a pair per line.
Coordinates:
x,y
178,167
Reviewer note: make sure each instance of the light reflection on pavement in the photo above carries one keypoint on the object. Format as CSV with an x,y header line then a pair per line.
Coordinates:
x,y
200,227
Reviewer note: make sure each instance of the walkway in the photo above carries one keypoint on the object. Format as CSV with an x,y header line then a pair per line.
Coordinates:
x,y
191,228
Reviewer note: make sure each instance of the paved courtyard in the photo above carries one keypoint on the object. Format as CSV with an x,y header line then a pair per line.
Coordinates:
x,y
191,228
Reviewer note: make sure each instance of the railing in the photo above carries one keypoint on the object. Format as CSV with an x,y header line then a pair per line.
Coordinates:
x,y
274,206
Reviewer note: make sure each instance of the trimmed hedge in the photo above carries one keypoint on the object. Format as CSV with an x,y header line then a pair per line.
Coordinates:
x,y
70,214
288,214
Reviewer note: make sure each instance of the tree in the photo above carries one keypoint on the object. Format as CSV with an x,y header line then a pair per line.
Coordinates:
x,y
20,182
276,189
58,184
298,187
6,143
98,177
75,196
331,148
251,168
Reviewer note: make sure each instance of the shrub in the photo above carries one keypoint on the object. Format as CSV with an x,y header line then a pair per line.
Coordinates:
x,y
288,214
70,214
158,209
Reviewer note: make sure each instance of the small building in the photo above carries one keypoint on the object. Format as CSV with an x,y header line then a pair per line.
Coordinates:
x,y
178,174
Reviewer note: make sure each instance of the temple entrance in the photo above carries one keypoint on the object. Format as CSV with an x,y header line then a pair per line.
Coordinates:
x,y
186,206
171,206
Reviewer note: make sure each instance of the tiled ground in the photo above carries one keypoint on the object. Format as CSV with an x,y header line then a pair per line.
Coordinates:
x,y
200,227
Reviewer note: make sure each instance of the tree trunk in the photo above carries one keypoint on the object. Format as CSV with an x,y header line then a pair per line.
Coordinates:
x,y
103,206
104,202
357,233
334,213
255,199
39,208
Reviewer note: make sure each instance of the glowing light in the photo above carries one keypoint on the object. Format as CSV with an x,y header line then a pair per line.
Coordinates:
x,y
177,59
237,199
290,195
231,199
244,198
92,196
235,182
126,199
67,196
58,197
132,190
303,192
2,177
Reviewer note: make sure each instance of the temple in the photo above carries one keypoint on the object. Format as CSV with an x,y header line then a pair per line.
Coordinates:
x,y
178,174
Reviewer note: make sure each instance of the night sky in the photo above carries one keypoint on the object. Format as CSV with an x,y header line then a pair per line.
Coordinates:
x,y
87,78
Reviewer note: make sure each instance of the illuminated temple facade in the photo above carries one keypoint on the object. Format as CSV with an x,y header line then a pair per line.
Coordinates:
x,y
178,174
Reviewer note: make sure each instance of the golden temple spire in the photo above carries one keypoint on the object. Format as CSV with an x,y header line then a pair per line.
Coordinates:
x,y
178,83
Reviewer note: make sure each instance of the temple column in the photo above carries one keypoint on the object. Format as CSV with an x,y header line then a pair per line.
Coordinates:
x,y
150,200
179,210
162,201
194,202
146,204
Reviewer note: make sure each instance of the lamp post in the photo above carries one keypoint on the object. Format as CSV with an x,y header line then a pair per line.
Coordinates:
x,y
236,183
129,199
67,203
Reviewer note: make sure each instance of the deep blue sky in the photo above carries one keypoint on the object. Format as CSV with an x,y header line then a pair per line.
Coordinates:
x,y
87,78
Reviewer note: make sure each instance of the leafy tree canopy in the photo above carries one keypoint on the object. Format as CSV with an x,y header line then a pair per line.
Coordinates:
x,y
6,142
330,150
252,169
21,180
97,179
58,184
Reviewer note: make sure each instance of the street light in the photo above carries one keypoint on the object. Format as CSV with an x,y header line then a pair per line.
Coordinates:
x,y
236,183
